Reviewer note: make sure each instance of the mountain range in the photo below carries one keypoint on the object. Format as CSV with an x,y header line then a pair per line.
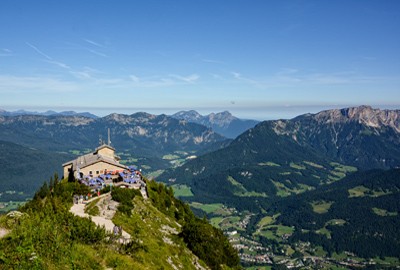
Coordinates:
x,y
281,183
47,113
140,139
141,133
224,122
291,156
306,180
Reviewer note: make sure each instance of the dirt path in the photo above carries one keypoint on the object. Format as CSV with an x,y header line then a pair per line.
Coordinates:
x,y
144,193
79,210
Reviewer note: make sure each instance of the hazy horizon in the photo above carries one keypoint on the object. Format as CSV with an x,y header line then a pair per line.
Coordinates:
x,y
270,113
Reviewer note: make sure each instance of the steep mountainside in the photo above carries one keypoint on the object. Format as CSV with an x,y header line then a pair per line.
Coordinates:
x,y
158,233
24,169
361,136
258,165
295,155
224,122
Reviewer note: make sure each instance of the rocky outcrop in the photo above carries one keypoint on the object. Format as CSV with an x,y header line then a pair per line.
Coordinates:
x,y
365,115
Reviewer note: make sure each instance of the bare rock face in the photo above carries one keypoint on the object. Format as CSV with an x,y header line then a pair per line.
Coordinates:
x,y
365,115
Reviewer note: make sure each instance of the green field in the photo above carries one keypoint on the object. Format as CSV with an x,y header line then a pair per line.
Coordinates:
x,y
230,223
358,191
170,157
338,222
321,207
325,232
313,164
383,212
275,232
267,220
343,168
319,251
297,166
154,174
182,191
284,191
208,208
269,163
242,191
388,260
215,221
361,191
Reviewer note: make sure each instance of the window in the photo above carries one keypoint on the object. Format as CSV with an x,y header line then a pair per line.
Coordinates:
x,y
90,172
97,172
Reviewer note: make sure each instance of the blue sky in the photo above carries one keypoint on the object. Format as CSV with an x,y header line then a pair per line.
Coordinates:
x,y
257,59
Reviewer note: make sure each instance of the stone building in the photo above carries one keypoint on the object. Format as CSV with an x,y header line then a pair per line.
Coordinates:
x,y
102,161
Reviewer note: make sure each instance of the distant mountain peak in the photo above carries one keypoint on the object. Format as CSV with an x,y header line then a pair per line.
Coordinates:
x,y
47,113
223,122
188,115
365,115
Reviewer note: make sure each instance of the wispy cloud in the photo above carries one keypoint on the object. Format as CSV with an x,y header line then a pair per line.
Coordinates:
x,y
59,64
98,53
5,52
86,73
15,84
188,79
38,51
213,61
93,43
238,76
134,78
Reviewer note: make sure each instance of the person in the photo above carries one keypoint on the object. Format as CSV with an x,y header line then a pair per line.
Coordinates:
x,y
115,230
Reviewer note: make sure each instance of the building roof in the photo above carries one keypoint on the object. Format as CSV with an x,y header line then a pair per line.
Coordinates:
x,y
92,158
104,146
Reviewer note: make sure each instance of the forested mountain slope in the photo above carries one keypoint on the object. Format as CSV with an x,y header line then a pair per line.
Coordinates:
x,y
257,166
360,214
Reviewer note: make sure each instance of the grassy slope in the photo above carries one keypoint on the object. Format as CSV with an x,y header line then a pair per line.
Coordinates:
x,y
155,244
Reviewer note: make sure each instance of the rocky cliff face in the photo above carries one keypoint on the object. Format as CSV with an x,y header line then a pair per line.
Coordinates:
x,y
364,115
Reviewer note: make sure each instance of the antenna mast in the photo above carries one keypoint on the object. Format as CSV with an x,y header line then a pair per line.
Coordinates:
x,y
109,137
